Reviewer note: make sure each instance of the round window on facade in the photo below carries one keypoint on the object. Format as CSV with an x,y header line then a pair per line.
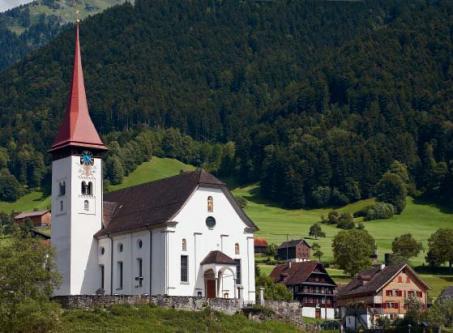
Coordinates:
x,y
102,251
120,247
140,243
210,222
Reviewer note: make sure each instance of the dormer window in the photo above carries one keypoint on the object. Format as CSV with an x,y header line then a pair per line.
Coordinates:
x,y
210,204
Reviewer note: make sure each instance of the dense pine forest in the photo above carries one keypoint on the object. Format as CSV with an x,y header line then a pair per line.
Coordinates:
x,y
315,99
27,27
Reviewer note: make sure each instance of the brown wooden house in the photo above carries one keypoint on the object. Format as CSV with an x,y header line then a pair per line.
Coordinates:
x,y
260,245
38,218
380,291
311,285
294,250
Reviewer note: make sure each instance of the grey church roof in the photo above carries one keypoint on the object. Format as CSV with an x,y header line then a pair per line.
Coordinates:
x,y
217,257
156,203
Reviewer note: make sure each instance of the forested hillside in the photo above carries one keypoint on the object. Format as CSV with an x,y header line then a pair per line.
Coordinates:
x,y
318,97
30,26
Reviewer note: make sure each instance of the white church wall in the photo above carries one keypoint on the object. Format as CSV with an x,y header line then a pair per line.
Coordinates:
x,y
200,240
140,252
104,259
61,228
76,223
158,262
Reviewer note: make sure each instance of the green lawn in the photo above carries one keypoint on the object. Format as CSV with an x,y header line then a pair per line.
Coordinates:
x,y
277,224
155,169
139,319
30,201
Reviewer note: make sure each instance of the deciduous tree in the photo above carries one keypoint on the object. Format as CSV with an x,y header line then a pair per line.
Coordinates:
x,y
352,250
406,246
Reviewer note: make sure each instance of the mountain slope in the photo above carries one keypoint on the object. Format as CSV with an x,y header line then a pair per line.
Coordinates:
x,y
319,97
30,26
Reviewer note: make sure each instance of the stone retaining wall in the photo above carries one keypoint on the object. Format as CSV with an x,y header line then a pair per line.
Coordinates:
x,y
287,311
228,306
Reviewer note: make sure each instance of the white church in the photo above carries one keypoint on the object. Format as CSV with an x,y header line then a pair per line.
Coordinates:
x,y
180,236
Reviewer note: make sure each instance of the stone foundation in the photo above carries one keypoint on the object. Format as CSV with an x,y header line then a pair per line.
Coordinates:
x,y
287,311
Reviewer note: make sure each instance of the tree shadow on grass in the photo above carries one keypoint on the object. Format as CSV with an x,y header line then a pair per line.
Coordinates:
x,y
256,197
443,207
436,271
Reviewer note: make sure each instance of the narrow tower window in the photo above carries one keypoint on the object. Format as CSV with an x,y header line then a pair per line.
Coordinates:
x,y
102,276
84,188
236,248
184,268
90,188
210,204
184,245
140,272
120,275
62,187
86,205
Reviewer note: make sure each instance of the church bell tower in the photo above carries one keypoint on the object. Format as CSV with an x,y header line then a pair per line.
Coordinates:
x,y
77,190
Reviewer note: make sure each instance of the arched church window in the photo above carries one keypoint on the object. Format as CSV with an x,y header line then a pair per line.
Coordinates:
x,y
236,248
86,205
210,204
120,247
184,244
84,188
102,250
139,243
62,188
90,188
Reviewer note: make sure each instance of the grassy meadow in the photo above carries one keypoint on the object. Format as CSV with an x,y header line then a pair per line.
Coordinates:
x,y
277,224
139,319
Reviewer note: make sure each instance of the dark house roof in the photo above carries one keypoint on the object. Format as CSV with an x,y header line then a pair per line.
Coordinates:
x,y
156,203
373,279
217,257
446,294
36,213
293,243
296,273
39,234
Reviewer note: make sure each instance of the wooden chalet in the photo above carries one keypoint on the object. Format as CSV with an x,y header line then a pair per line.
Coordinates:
x,y
311,285
294,250
377,292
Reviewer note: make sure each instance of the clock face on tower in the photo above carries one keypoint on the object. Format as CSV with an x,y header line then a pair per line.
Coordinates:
x,y
86,158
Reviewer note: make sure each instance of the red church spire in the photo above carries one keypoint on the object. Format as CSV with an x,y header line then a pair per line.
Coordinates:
x,y
77,129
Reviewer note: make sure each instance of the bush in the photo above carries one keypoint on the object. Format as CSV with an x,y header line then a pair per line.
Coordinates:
x,y
271,250
381,210
345,221
10,188
391,189
273,291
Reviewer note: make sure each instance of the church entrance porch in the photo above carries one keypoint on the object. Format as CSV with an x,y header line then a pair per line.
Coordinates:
x,y
219,272
210,284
